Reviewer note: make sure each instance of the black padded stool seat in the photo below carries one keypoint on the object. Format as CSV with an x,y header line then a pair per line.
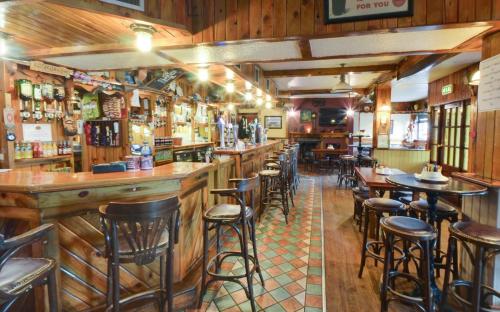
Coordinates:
x,y
225,211
384,205
422,206
481,242
475,232
409,228
269,173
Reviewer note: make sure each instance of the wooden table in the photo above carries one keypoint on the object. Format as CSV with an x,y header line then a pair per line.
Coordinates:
x,y
323,151
374,181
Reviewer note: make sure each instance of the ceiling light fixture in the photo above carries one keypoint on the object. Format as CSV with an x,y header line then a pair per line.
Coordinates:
x,y
203,73
475,78
248,96
342,86
259,101
230,106
268,97
143,36
230,87
229,74
269,105
248,85
350,112
259,92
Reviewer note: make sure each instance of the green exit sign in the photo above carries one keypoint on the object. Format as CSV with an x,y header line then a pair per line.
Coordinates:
x,y
448,89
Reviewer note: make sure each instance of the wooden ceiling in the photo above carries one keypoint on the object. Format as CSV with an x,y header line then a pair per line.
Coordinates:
x,y
44,27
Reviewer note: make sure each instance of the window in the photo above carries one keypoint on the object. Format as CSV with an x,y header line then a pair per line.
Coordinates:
x,y
450,136
268,85
257,74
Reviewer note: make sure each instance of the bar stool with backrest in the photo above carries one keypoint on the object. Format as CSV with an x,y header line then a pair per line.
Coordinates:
x,y
346,173
274,185
140,232
485,243
18,276
419,209
417,232
379,207
241,219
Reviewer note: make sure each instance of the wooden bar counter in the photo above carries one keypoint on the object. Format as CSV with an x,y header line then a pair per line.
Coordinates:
x,y
251,158
71,201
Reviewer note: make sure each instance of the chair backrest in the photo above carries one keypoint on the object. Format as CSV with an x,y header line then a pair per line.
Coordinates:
x,y
248,184
140,230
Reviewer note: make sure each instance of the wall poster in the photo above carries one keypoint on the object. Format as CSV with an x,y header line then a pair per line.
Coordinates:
x,y
339,11
488,96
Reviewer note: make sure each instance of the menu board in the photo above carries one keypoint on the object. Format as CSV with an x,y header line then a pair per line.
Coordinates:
x,y
489,87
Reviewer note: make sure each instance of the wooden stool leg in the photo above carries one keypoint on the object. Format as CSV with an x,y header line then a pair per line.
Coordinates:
x,y
363,247
254,247
115,268
426,270
109,282
170,278
449,255
247,266
476,283
387,269
163,286
204,267
52,290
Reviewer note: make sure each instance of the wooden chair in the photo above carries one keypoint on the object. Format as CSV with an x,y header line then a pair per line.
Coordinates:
x,y
139,233
18,276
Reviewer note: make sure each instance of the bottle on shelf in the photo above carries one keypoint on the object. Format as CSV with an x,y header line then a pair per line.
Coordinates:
x,y
18,154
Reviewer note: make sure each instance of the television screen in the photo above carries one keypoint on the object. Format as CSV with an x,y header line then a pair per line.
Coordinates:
x,y
332,116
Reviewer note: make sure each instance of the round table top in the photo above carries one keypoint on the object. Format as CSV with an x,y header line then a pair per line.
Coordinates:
x,y
454,186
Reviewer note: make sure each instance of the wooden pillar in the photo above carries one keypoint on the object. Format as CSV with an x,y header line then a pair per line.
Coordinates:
x,y
484,154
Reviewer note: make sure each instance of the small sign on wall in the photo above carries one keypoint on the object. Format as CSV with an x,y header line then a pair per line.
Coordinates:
x,y
448,89
340,11
37,132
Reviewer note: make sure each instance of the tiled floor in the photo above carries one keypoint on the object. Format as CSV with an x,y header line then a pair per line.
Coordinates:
x,y
291,259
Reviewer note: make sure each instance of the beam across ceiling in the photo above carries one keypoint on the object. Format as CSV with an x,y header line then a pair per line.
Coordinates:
x,y
315,91
328,71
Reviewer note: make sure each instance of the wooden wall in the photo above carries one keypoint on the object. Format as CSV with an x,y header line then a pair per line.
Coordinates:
x,y
485,155
406,160
461,89
226,20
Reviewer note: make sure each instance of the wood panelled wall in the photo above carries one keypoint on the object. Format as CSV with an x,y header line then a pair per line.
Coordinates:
x,y
226,20
487,148
461,89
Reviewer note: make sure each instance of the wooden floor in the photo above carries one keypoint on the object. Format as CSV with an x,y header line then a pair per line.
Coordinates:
x,y
344,290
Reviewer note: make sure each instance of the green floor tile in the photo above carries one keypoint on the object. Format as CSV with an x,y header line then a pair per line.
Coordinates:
x,y
224,302
275,308
314,289
279,294
283,279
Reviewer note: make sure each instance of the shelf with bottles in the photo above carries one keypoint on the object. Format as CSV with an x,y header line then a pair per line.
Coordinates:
x,y
103,133
42,150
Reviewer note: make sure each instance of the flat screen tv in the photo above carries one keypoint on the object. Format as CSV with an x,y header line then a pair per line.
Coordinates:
x,y
332,116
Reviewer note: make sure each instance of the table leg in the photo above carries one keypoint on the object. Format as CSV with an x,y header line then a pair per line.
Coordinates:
x,y
432,199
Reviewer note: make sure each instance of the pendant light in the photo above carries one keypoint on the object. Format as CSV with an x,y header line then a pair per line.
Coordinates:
x,y
342,86
143,36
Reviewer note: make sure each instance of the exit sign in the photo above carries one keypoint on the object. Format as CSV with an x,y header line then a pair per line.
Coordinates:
x,y
448,89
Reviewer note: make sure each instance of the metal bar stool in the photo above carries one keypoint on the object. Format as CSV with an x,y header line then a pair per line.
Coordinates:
x,y
419,209
241,219
274,185
139,233
485,241
18,276
421,234
372,249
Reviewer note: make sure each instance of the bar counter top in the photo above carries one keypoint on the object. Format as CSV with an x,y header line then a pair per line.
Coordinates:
x,y
22,181
247,149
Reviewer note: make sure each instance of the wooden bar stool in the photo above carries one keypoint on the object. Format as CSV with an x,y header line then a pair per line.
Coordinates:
x,y
421,234
139,233
379,207
419,209
360,194
274,185
241,219
346,174
19,275
485,243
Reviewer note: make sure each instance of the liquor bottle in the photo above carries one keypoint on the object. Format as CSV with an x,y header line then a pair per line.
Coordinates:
x,y
18,154
29,151
36,150
54,148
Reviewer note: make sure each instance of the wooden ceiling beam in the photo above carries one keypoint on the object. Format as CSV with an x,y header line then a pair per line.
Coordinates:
x,y
412,65
286,93
334,71
305,48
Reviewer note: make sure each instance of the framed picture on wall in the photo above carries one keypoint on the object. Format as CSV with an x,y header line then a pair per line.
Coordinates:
x,y
273,122
305,116
131,4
